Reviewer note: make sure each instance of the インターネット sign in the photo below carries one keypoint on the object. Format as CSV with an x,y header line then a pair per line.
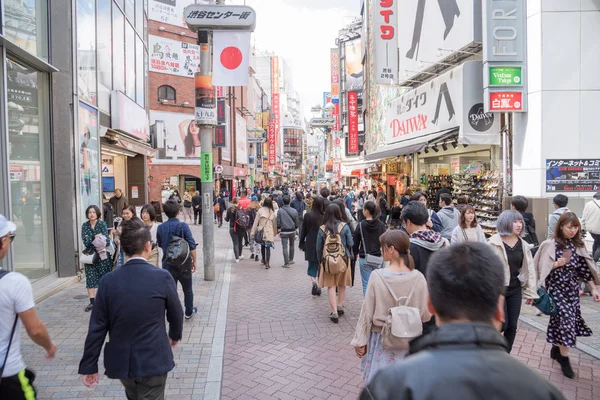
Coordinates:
x,y
573,175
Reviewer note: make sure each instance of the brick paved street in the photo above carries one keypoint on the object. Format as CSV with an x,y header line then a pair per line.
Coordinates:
x,y
260,335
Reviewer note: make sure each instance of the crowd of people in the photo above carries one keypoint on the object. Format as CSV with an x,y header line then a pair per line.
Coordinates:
x,y
432,284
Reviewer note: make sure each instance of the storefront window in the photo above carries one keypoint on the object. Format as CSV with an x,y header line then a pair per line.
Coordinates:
x,y
129,10
88,157
104,54
25,24
29,163
86,50
139,15
130,62
118,50
139,72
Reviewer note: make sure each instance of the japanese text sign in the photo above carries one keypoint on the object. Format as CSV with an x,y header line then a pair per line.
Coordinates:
x,y
272,144
172,57
352,123
581,175
506,101
198,16
385,41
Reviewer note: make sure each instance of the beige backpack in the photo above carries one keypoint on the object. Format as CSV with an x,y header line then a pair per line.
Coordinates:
x,y
403,322
335,261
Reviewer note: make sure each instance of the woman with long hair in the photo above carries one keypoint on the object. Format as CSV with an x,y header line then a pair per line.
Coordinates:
x,y
308,241
148,215
434,222
128,213
563,262
252,211
266,222
366,240
333,226
519,270
352,224
236,232
157,210
468,230
190,136
401,278
91,230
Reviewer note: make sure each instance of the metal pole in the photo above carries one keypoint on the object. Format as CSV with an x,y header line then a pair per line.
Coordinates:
x,y
206,167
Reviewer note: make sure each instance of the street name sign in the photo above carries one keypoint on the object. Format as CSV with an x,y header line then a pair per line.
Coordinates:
x,y
212,16
322,122
257,140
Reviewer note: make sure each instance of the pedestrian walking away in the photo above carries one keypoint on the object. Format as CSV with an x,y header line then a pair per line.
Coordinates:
x,y
197,207
287,224
96,240
17,310
130,309
520,279
591,223
563,262
188,213
399,280
168,231
466,353
299,205
252,211
264,230
366,241
334,248
308,241
238,224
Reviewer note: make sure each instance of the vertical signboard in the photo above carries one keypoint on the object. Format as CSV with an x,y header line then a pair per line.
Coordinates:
x,y
352,123
385,41
505,55
272,144
206,101
336,116
335,73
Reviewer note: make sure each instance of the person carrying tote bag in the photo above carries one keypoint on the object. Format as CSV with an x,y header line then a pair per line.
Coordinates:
x,y
366,241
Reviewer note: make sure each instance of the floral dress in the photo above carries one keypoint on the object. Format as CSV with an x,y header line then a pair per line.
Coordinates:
x,y
563,285
93,272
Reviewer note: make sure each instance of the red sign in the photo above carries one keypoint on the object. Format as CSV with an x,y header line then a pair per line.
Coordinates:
x,y
220,91
221,111
387,10
220,136
352,123
272,144
414,124
506,101
336,115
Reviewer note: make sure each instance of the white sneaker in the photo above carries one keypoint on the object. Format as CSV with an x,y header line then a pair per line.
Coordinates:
x,y
241,257
237,260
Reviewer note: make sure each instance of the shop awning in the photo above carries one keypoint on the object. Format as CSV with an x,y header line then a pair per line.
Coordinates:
x,y
410,146
135,146
119,143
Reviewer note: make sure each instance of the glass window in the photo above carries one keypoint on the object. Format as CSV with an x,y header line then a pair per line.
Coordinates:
x,y
104,54
129,61
88,157
30,175
86,50
118,50
166,92
139,72
139,15
129,10
25,24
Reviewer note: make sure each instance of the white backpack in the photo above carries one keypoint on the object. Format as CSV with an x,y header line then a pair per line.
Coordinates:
x,y
403,322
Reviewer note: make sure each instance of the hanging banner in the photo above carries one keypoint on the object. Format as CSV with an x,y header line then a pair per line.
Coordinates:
x,y
173,57
335,73
353,65
206,101
272,144
206,167
385,41
220,136
352,123
275,74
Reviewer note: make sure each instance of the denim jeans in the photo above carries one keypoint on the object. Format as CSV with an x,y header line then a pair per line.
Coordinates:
x,y
238,240
265,253
287,244
185,278
365,274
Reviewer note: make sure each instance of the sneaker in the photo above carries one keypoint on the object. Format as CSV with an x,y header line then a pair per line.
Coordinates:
x,y
285,266
267,266
252,257
292,262
237,260
241,257
257,258
89,307
194,312
263,262
341,310
334,317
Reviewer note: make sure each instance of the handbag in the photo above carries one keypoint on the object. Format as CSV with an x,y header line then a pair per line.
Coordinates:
x,y
545,303
12,333
89,259
403,322
371,261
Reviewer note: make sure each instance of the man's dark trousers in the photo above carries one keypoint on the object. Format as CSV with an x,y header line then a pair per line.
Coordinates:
x,y
185,278
151,388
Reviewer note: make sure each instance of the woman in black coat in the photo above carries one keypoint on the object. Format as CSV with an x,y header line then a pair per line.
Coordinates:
x,y
308,241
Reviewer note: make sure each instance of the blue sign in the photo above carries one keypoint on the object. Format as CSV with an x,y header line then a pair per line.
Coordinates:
x,y
108,184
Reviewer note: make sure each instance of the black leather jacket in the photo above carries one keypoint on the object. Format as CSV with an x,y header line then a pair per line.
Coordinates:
x,y
460,361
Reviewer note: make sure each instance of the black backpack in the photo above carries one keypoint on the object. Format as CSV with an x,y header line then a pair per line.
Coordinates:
x,y
178,253
531,238
242,221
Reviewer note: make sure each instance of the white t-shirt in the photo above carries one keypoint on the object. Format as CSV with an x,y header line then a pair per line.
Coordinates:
x,y
16,296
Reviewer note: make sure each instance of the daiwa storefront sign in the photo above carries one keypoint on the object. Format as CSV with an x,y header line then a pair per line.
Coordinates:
x,y
453,100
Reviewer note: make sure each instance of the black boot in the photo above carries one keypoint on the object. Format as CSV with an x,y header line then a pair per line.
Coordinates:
x,y
565,366
554,353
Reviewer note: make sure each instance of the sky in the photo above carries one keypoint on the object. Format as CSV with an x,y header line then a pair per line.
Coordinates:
x,y
302,32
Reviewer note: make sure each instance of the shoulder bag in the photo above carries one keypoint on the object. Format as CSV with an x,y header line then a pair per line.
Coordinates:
x,y
371,261
403,322
259,235
12,333
464,235
545,303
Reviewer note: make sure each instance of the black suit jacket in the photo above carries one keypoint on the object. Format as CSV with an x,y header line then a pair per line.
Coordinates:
x,y
130,306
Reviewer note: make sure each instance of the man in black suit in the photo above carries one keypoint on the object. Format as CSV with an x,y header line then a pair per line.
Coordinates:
x,y
130,306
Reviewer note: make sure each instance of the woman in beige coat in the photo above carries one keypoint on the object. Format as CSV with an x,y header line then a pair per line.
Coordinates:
x,y
519,270
266,222
401,278
563,262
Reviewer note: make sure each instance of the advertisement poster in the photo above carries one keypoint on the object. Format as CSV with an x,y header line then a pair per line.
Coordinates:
x,y
335,73
168,11
354,68
241,143
352,123
206,101
226,150
181,138
173,57
89,157
580,175
272,144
